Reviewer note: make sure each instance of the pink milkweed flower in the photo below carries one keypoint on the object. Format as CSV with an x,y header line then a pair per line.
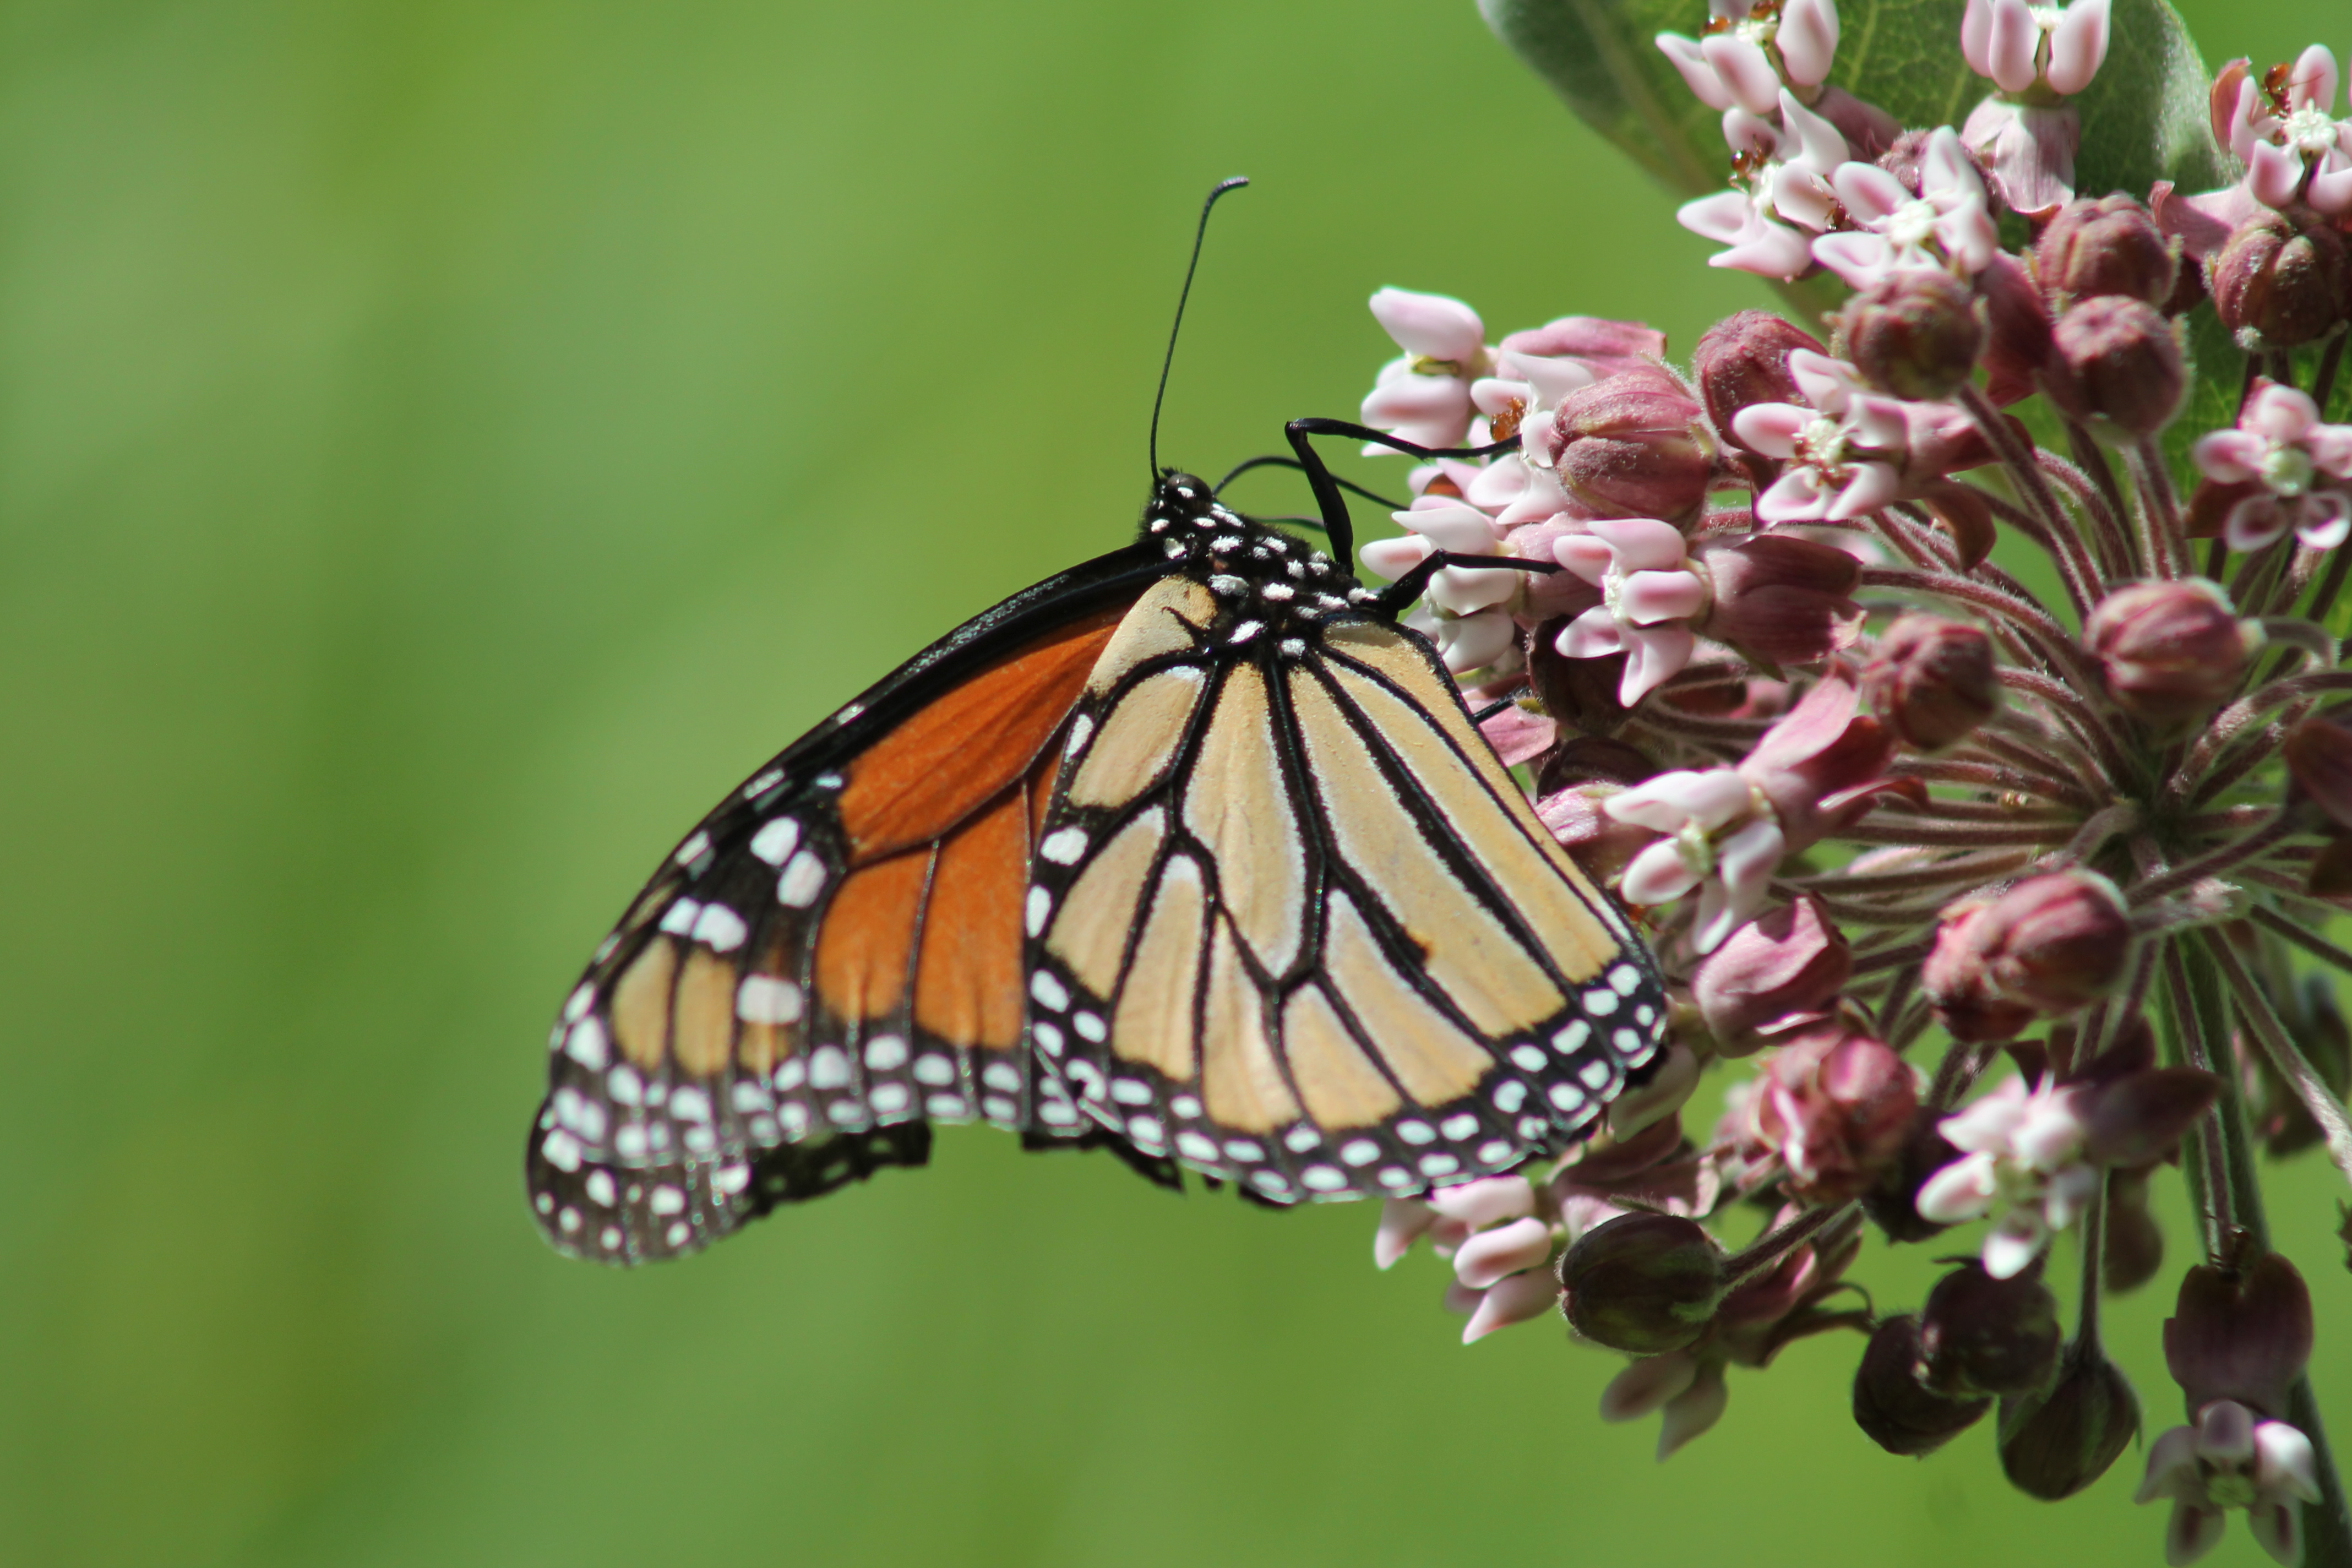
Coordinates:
x,y
2285,143
2018,45
1650,592
2299,468
2231,1459
1722,840
2027,151
1768,227
1469,610
1843,453
1424,396
1730,67
2021,1147
1947,223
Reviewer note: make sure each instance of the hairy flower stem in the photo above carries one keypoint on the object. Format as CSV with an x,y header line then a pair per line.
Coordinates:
x,y
1765,1252
2094,1264
2311,942
2262,1021
2213,862
2245,1232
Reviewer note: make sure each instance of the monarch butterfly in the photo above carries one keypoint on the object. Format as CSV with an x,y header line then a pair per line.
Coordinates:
x,y
1191,852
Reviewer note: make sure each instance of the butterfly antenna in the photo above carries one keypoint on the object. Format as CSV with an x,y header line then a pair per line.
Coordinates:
x,y
1199,234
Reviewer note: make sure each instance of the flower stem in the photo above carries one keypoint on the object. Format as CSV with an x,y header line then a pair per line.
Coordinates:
x,y
2327,1523
2311,942
2262,1021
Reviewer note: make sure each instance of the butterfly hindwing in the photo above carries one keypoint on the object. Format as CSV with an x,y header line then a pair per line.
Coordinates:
x,y
832,960
1293,925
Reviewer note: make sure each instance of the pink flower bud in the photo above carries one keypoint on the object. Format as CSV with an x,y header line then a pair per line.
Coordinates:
x,y
2056,1442
1781,599
2243,1336
1835,1105
2116,362
2018,330
2280,282
1743,360
2051,944
1635,445
1789,962
1894,1407
1602,346
2172,651
1982,1335
1822,764
2318,755
1914,332
2107,245
1931,681
2141,1117
1600,844
1643,1283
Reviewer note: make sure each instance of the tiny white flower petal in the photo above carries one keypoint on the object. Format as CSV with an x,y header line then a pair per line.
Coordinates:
x,y
1771,428
1711,797
1745,70
1474,642
2284,1461
2277,1528
2225,1434
1657,876
1722,217
1976,37
1494,1255
1962,1190
1435,326
1489,1201
2072,1192
1404,1221
2012,1245
2011,47
1393,558
1808,39
1693,1410
1697,74
2078,45
2171,1467
1640,543
1658,654
1821,145
2193,1531
2272,173
1647,1384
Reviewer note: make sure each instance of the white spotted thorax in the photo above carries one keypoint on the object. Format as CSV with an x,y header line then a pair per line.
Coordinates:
x,y
1284,920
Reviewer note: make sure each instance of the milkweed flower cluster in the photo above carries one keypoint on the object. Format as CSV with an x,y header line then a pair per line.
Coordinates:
x,y
1982,901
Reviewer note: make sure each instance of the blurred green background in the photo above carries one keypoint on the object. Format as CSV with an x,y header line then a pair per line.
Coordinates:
x,y
447,445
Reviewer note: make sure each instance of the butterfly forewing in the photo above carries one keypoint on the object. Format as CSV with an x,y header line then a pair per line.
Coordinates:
x,y
1292,923
832,960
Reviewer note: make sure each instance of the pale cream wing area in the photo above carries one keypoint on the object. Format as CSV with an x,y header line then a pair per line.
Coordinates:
x,y
1293,924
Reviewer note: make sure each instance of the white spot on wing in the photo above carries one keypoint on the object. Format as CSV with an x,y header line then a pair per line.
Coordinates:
x,y
775,841
765,999
720,929
680,917
802,880
1064,846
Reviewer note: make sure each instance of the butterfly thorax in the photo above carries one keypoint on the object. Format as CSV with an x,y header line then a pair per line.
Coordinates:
x,y
1269,585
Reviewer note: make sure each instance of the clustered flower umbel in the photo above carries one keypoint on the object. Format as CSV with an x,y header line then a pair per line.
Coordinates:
x,y
1869,792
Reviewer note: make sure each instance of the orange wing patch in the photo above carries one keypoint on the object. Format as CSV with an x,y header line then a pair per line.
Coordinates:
x,y
941,765
967,981
863,952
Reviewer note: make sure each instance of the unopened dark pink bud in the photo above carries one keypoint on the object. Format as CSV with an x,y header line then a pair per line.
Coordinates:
x,y
1635,445
1894,1407
2280,282
1914,332
1743,360
1781,599
2054,1443
2172,651
2244,1335
1932,681
2104,246
1787,962
2141,1117
2117,363
1981,1335
1644,1283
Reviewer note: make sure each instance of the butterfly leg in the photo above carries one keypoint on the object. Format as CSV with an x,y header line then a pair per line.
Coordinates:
x,y
1330,500
1398,596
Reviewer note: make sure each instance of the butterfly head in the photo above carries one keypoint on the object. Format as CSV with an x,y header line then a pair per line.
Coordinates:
x,y
1244,561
